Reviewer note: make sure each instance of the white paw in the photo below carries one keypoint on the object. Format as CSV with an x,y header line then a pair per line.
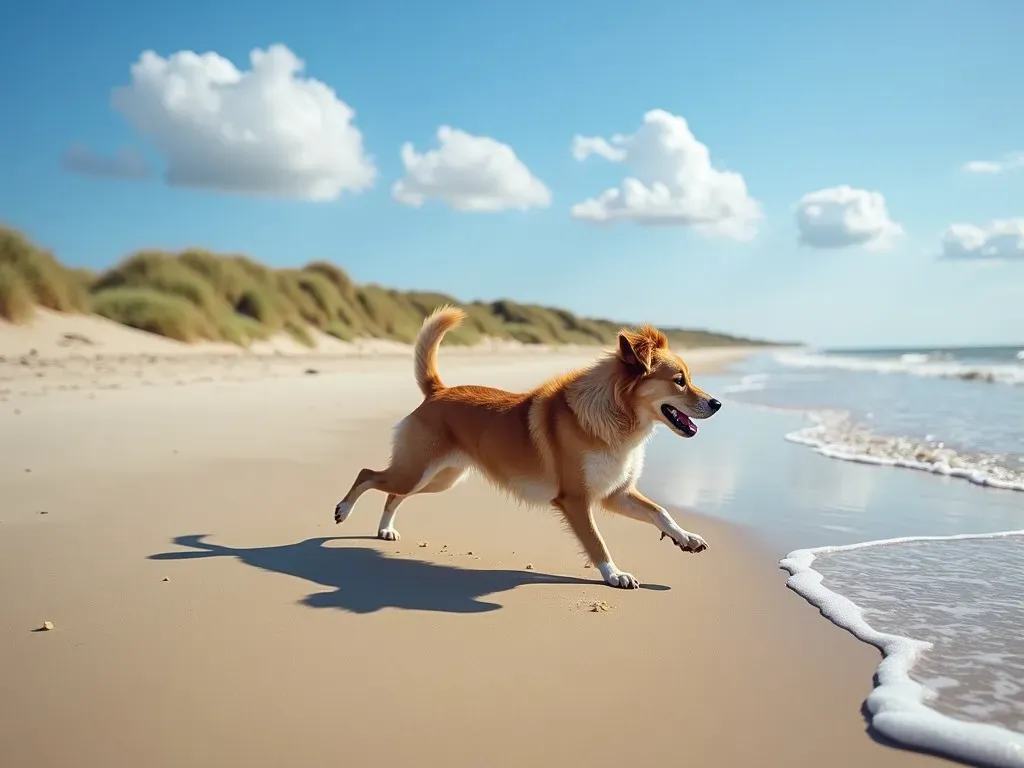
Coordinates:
x,y
686,541
616,578
389,534
342,511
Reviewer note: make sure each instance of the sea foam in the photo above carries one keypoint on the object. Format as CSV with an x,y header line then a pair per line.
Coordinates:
x,y
898,704
937,366
835,435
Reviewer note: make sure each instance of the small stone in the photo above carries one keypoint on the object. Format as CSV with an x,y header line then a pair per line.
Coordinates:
x,y
43,512
470,552
599,606
165,579
529,566
47,626
311,371
423,544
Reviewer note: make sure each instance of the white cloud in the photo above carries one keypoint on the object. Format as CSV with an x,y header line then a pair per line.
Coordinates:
x,y
584,146
1000,240
469,173
674,182
265,131
841,217
126,163
1010,162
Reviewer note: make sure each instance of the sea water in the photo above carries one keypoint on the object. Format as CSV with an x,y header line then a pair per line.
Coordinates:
x,y
903,558
952,411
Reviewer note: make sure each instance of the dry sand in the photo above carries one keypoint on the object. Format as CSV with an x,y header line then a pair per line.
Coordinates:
x,y
206,611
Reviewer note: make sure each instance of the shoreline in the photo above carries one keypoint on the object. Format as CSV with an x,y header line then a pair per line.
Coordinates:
x,y
897,703
187,552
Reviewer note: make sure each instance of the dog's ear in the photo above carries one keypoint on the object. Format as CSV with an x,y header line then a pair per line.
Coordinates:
x,y
635,353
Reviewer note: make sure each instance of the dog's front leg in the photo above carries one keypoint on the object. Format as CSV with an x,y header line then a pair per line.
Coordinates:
x,y
578,514
631,503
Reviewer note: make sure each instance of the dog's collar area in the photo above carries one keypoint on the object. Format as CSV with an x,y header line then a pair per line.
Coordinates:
x,y
679,420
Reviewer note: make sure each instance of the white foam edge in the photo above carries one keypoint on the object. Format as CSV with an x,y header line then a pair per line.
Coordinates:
x,y
1003,373
808,436
897,703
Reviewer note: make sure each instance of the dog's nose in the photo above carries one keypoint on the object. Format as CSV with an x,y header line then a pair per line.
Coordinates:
x,y
714,405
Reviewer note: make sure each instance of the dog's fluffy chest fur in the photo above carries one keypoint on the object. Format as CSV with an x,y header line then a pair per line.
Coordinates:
x,y
607,470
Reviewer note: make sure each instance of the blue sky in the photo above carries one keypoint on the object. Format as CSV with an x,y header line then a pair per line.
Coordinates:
x,y
794,96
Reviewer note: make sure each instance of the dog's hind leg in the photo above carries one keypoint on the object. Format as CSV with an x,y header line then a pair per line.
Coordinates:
x,y
418,457
442,480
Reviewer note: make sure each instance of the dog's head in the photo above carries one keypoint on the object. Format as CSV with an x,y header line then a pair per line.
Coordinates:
x,y
661,385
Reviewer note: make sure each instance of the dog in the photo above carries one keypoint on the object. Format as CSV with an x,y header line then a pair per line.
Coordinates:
x,y
575,442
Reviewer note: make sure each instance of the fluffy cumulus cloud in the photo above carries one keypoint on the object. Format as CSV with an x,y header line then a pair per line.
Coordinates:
x,y
1001,240
672,181
267,130
126,163
841,217
1010,162
469,173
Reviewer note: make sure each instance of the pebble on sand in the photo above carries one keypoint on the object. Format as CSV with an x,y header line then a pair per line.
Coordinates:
x,y
47,626
529,566
423,544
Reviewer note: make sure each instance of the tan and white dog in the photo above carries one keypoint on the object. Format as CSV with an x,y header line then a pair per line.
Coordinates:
x,y
575,442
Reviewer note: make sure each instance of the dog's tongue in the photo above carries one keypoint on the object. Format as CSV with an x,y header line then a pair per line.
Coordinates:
x,y
688,424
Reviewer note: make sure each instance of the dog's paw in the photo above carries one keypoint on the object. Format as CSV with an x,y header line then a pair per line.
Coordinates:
x,y
623,580
688,542
389,534
619,579
342,511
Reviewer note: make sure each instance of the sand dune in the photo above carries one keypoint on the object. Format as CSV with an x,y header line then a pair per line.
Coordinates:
x,y
207,611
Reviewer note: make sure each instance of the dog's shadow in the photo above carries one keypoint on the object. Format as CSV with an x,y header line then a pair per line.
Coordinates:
x,y
363,579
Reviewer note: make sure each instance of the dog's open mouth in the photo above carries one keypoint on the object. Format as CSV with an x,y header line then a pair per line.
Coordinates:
x,y
679,420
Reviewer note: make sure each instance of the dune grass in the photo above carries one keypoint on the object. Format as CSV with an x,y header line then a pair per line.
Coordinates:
x,y
32,269
196,295
16,302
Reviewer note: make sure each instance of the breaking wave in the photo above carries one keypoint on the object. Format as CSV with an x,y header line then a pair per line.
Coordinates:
x,y
934,365
835,435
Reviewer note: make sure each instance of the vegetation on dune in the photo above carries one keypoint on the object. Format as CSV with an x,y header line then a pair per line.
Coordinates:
x,y
196,295
16,302
48,283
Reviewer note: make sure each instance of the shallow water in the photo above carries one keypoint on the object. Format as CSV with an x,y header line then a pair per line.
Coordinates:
x,y
904,412
964,597
741,469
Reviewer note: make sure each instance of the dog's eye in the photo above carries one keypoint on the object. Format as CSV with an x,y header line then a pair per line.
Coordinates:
x,y
681,381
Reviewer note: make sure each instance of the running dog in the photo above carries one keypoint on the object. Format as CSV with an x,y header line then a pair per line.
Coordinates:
x,y
575,442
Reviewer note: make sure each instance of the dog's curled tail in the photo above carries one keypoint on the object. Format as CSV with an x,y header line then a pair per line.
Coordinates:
x,y
435,326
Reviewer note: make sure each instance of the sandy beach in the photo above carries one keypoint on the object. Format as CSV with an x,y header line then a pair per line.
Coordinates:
x,y
171,515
